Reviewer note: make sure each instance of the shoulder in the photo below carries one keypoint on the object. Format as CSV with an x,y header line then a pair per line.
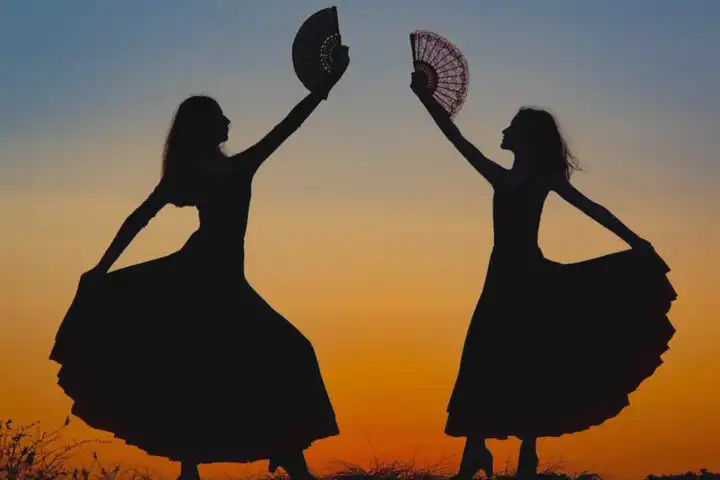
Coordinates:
x,y
180,190
165,188
499,174
247,162
554,182
566,190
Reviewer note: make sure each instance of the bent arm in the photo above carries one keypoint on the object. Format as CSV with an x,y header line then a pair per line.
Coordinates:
x,y
486,167
597,212
254,156
135,222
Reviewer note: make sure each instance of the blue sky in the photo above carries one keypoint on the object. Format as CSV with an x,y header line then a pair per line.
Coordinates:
x,y
367,200
81,71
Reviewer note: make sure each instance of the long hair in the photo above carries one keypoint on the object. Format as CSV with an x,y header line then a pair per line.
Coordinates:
x,y
188,142
541,136
187,139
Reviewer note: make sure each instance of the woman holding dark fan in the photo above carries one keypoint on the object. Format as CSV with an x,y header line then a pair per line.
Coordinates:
x,y
180,356
596,329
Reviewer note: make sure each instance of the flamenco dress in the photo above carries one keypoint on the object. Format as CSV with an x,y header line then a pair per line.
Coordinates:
x,y
181,357
555,348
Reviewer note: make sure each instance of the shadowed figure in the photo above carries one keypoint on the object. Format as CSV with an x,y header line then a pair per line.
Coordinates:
x,y
180,356
596,327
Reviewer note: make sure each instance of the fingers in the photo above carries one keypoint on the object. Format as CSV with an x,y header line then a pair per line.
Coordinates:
x,y
343,52
341,57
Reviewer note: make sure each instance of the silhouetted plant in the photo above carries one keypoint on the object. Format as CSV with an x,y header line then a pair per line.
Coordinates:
x,y
25,455
703,474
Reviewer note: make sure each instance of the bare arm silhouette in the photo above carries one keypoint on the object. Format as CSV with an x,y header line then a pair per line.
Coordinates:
x,y
597,212
254,156
490,170
135,222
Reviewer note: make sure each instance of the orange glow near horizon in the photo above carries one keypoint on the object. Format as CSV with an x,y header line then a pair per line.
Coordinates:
x,y
388,325
367,230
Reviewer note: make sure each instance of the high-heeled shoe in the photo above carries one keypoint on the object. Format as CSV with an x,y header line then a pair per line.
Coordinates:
x,y
189,474
527,467
294,475
185,476
473,462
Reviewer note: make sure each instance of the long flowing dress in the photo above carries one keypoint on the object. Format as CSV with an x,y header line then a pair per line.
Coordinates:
x,y
181,357
555,348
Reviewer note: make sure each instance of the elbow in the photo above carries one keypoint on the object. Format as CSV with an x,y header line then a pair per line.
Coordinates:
x,y
456,138
600,210
134,222
600,213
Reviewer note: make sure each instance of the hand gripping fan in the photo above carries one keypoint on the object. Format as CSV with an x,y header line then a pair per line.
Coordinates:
x,y
445,67
313,47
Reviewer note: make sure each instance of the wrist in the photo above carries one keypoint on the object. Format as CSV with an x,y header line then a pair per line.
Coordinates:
x,y
101,267
636,241
326,87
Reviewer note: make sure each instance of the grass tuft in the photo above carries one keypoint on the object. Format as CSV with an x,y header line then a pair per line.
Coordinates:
x,y
28,453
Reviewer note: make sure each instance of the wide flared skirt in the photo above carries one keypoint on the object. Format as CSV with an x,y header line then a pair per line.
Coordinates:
x,y
557,348
188,362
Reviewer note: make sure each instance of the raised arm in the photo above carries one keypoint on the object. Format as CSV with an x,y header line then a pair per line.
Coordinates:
x,y
486,167
254,156
597,212
135,222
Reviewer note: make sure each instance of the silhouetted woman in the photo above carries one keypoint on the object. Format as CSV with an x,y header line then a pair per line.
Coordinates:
x,y
180,356
552,348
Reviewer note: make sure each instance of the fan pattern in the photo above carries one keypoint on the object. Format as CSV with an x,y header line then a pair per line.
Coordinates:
x,y
326,51
313,47
445,67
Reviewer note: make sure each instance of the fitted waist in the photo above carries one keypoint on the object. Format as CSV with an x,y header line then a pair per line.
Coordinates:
x,y
517,250
216,251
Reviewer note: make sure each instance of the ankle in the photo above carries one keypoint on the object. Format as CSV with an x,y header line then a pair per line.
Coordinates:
x,y
189,471
294,465
528,457
476,457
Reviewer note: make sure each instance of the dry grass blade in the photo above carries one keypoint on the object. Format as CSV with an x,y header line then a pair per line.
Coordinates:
x,y
42,456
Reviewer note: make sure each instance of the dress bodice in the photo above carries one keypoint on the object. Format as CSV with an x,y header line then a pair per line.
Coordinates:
x,y
222,198
223,208
516,216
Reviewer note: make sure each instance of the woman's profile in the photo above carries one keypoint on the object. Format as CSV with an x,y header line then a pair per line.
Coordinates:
x,y
552,348
180,356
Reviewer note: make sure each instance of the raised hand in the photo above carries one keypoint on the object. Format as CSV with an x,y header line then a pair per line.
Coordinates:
x,y
90,278
341,60
419,83
643,245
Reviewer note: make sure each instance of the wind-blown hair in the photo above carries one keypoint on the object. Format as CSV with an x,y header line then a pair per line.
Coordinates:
x,y
541,137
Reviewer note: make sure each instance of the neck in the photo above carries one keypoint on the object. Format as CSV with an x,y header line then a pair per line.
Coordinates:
x,y
218,153
521,162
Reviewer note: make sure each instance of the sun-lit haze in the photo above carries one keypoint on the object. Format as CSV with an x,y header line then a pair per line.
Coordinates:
x,y
367,230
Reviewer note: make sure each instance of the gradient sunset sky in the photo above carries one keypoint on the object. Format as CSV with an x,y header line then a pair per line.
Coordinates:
x,y
367,230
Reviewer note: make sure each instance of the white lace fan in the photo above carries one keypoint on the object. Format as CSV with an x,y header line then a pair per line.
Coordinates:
x,y
445,67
